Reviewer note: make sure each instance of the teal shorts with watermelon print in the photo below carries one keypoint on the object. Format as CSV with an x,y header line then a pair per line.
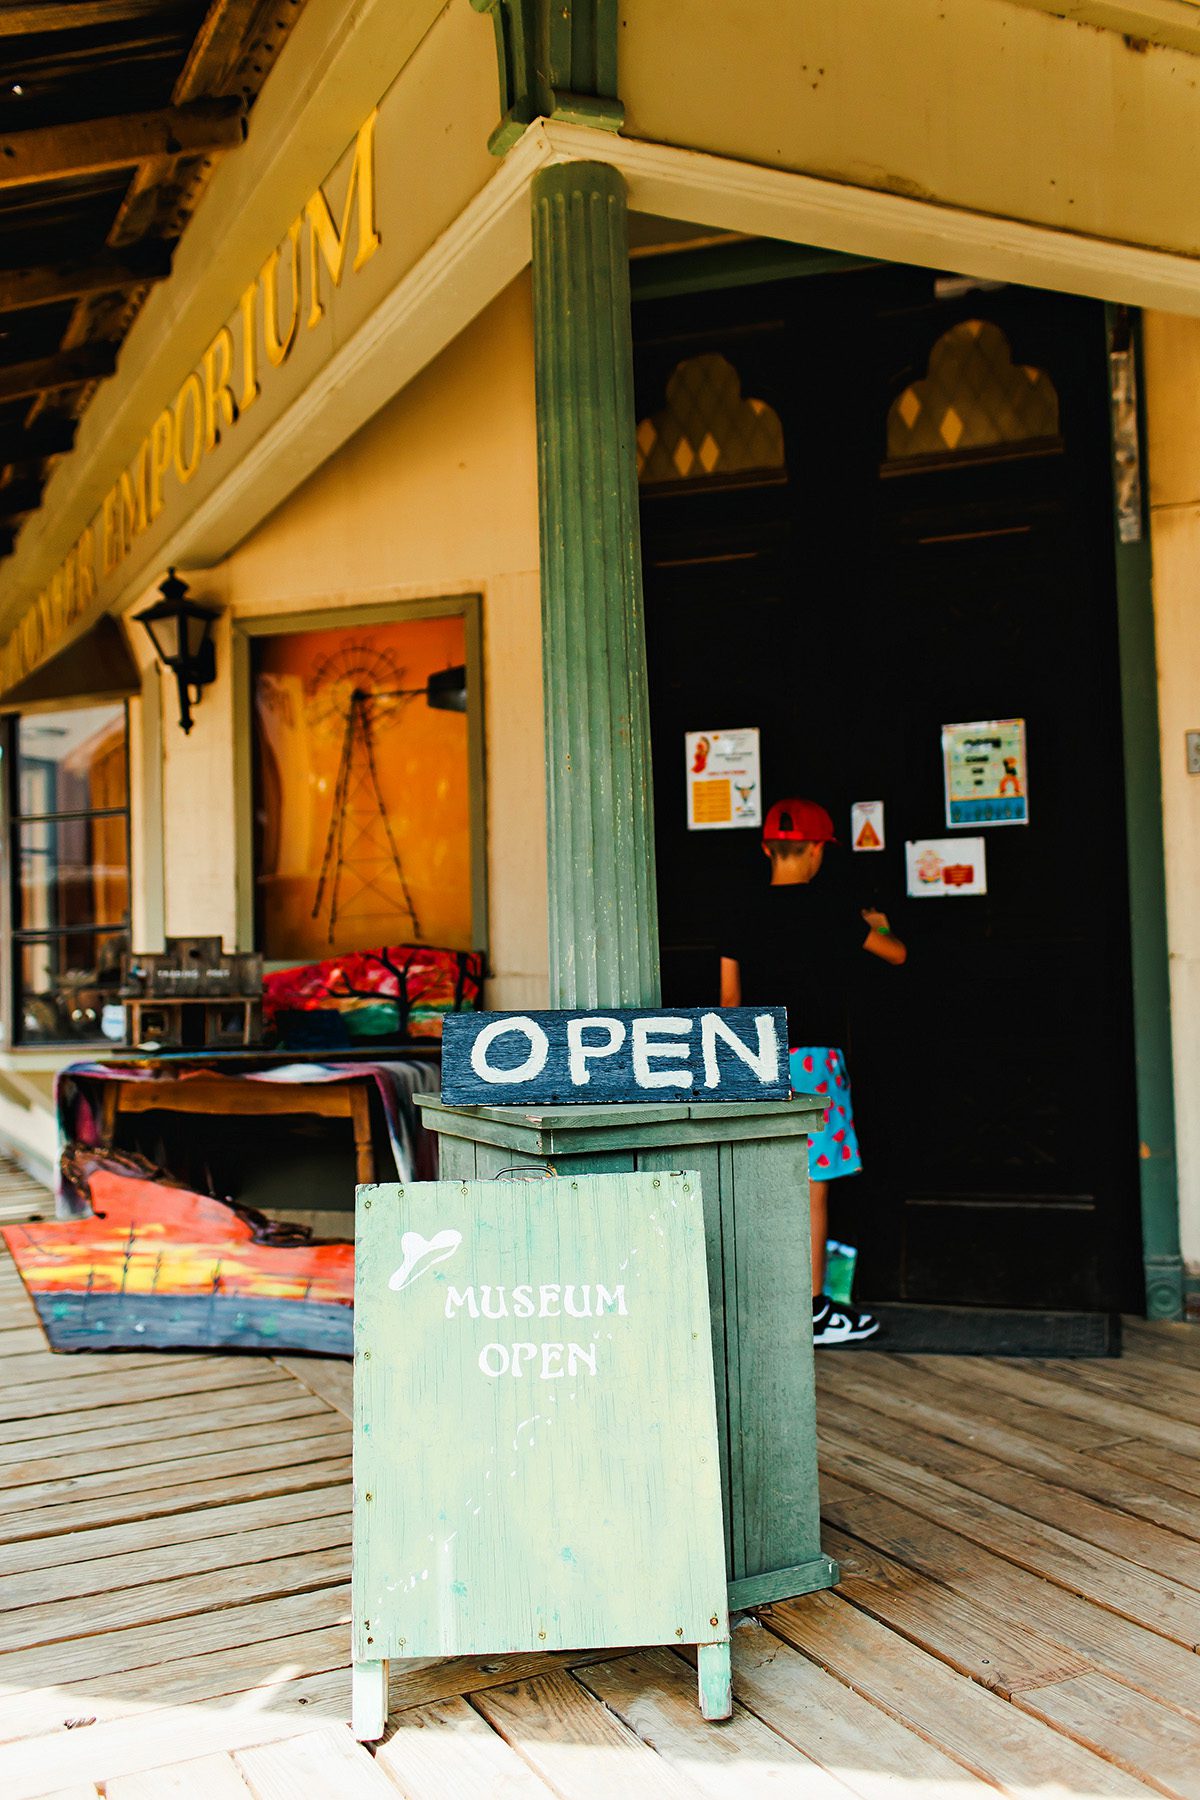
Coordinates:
x,y
832,1151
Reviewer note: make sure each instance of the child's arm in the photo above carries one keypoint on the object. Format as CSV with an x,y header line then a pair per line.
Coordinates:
x,y
731,982
880,941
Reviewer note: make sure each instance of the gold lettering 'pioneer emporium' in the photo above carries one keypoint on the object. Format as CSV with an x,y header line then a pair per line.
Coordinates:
x,y
288,294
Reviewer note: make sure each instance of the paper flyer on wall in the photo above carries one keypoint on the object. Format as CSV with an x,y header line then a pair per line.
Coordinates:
x,y
866,825
945,868
724,783
987,780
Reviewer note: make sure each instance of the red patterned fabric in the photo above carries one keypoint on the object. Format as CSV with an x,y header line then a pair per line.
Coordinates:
x,y
400,992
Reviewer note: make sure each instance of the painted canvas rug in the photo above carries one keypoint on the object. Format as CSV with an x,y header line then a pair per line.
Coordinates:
x,y
158,1267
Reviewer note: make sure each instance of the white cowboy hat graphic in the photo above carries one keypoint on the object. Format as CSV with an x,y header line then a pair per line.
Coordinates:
x,y
420,1253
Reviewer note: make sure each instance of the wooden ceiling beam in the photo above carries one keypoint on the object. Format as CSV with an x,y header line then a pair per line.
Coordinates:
x,y
102,274
30,443
72,15
19,498
92,146
67,369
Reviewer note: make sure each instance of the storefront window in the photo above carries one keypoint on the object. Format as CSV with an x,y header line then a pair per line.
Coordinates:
x,y
362,810
69,839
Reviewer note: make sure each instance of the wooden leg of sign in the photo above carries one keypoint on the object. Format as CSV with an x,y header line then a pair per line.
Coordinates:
x,y
716,1680
369,1701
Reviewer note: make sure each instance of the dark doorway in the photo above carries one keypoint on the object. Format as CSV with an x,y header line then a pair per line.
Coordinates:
x,y
876,503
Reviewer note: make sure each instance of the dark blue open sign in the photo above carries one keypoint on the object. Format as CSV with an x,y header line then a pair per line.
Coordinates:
x,y
689,1053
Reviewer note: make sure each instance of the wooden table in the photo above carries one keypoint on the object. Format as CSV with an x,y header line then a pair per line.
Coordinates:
x,y
227,1097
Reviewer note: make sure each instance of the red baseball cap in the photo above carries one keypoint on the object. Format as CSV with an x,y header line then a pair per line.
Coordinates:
x,y
798,822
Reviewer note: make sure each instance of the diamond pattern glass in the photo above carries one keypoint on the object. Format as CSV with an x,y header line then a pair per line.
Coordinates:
x,y
973,397
708,428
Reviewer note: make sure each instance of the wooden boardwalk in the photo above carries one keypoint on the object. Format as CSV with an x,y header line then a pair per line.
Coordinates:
x,y
1020,1607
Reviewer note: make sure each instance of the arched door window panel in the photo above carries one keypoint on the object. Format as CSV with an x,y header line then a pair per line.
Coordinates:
x,y
709,430
973,400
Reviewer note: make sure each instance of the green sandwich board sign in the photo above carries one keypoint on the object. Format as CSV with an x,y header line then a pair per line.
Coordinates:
x,y
535,1439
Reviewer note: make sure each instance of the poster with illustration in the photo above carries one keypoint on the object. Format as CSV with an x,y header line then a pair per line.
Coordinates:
x,y
866,825
724,780
945,868
987,781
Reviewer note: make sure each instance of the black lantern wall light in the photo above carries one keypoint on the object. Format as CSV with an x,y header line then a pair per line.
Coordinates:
x,y
181,632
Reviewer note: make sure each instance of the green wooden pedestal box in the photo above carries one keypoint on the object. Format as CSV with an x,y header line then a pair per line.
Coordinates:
x,y
753,1164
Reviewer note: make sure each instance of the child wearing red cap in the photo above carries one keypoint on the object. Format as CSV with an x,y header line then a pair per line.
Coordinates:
x,y
794,946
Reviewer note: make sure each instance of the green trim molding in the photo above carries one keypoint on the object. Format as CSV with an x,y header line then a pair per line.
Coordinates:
x,y
599,800
557,60
1161,1254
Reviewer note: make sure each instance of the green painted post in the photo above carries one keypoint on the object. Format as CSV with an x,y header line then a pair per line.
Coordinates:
x,y
603,902
1161,1252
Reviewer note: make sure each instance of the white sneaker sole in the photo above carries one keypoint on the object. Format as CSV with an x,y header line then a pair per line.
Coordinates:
x,y
845,1334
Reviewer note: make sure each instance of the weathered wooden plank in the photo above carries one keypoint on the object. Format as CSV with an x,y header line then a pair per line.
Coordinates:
x,y
1105,1394
259,1669
331,1377
430,1680
205,1778
31,1602
87,1450
905,1392
285,1569
16,1339
60,1479
1002,1745
654,1694
50,1368
550,1720
311,1596
879,1577
1148,1739
1084,1569
52,1523
321,1762
973,1633
37,1399
865,1748
173,1734
205,1531
447,1752
90,146
1162,1338
1171,1468
1054,1502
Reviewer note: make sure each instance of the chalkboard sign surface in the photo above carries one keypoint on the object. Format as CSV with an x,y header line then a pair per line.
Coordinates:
x,y
535,1440
692,1054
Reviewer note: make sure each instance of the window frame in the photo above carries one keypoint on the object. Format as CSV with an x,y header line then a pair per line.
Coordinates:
x,y
396,611
13,936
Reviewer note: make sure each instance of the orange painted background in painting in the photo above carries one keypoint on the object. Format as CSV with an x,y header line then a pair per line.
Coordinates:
x,y
337,733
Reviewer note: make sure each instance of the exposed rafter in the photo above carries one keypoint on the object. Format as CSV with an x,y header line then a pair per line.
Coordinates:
x,y
80,250
66,369
92,146
102,274
72,15
19,498
21,444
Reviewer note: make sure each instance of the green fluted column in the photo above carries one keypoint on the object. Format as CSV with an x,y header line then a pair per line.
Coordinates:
x,y
600,820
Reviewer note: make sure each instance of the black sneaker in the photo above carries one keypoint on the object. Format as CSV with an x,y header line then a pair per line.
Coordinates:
x,y
837,1322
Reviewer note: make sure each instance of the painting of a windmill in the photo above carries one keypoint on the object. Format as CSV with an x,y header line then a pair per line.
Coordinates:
x,y
362,803
356,692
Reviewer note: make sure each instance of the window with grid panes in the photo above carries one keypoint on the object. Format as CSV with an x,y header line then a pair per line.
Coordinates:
x,y
67,908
